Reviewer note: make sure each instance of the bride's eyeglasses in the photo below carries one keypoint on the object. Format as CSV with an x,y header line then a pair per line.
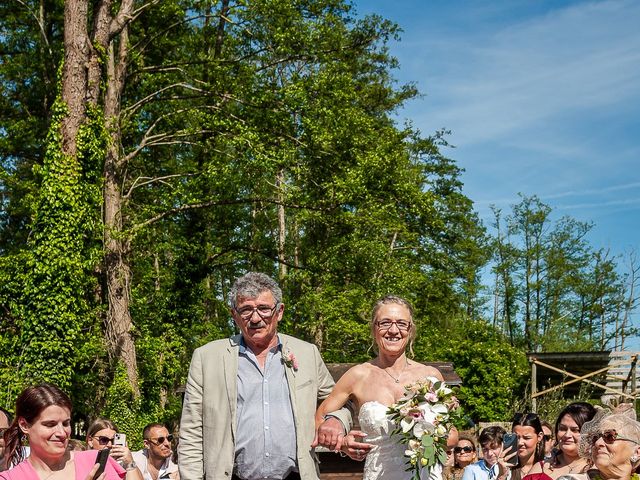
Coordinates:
x,y
402,325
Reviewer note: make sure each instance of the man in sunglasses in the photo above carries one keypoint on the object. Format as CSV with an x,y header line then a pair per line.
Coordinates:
x,y
154,460
250,400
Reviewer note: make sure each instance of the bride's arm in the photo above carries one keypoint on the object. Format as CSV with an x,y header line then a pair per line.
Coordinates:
x,y
338,396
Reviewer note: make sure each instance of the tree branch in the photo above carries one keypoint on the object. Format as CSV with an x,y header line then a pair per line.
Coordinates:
x,y
216,203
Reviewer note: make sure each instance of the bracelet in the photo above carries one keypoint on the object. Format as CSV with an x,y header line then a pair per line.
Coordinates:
x,y
131,467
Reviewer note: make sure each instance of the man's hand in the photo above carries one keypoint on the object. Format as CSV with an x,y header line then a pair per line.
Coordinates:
x,y
352,446
330,434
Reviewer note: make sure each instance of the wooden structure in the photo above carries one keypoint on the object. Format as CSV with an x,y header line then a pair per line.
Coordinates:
x,y
611,374
335,467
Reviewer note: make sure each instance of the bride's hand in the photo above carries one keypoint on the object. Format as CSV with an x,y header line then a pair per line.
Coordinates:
x,y
352,446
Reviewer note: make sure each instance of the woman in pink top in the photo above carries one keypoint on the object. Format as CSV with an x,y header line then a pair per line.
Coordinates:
x,y
43,417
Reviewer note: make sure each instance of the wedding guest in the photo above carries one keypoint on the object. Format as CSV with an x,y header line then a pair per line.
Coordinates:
x,y
155,459
464,454
494,462
100,435
43,417
528,428
612,442
567,460
465,451
549,440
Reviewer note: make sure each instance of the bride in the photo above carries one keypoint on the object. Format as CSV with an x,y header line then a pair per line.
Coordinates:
x,y
375,385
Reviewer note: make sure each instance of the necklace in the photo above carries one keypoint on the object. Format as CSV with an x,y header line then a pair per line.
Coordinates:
x,y
397,380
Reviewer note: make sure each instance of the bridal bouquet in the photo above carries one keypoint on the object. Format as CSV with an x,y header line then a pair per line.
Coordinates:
x,y
422,418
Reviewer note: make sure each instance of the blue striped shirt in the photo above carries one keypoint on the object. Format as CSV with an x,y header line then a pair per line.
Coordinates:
x,y
265,430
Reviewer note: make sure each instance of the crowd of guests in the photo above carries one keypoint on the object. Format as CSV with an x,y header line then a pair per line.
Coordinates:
x,y
584,443
36,444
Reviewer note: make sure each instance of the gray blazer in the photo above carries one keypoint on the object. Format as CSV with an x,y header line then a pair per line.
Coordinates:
x,y
207,429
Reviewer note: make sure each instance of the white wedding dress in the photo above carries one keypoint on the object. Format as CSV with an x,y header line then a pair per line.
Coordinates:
x,y
386,460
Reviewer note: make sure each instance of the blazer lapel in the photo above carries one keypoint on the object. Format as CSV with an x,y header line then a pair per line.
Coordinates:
x,y
291,375
230,366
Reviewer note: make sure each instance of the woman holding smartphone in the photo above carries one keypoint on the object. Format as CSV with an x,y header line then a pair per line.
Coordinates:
x,y
103,433
43,417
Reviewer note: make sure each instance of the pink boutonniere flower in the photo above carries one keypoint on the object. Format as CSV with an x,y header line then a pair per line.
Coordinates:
x,y
290,360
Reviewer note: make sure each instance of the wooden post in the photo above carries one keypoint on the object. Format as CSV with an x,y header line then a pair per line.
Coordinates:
x,y
534,386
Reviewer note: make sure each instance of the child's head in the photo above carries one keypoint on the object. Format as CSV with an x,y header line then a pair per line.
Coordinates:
x,y
491,443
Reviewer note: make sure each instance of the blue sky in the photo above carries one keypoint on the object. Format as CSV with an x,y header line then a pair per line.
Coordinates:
x,y
541,97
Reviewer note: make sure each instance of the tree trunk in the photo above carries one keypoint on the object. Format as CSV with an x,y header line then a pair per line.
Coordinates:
x,y
74,72
282,227
116,245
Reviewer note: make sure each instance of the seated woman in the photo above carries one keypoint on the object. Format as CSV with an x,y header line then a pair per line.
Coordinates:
x,y
612,443
376,385
43,417
100,435
493,464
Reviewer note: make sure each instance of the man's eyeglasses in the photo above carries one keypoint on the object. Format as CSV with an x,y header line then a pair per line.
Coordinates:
x,y
104,440
264,311
161,440
608,436
466,449
403,325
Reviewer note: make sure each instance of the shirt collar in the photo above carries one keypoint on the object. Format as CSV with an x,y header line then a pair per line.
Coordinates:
x,y
243,346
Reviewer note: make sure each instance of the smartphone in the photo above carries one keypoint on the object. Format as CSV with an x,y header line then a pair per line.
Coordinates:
x,y
120,439
101,459
511,440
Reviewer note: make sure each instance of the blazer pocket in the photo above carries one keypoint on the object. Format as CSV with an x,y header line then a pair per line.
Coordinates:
x,y
305,384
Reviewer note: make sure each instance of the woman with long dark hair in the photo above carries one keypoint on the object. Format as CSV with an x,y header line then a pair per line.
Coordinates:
x,y
567,461
43,418
528,428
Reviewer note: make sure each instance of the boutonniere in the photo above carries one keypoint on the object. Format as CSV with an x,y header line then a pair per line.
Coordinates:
x,y
290,359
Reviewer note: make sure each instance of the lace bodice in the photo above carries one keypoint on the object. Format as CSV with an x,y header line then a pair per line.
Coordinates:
x,y
386,460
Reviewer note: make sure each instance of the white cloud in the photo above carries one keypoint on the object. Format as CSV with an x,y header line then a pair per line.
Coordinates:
x,y
522,76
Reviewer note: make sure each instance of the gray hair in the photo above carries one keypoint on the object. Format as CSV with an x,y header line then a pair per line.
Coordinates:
x,y
625,426
251,285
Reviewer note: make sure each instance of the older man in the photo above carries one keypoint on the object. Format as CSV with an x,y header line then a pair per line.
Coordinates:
x,y
250,400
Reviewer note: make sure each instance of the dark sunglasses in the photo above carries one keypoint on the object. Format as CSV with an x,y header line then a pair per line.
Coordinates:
x,y
466,449
161,440
104,440
547,437
609,437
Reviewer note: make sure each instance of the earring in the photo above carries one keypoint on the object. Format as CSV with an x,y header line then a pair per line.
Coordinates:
x,y
634,458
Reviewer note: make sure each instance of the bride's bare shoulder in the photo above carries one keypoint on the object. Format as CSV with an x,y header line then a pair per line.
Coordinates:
x,y
428,371
360,371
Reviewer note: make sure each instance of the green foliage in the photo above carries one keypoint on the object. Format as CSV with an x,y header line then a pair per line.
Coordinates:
x,y
554,292
125,410
493,372
56,307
